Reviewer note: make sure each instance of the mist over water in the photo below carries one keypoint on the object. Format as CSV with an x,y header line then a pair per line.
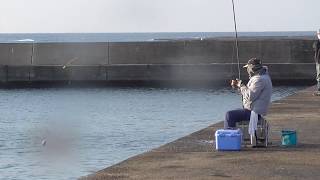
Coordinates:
x,y
89,129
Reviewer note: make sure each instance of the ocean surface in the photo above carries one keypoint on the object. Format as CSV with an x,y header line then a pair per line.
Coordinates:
x,y
133,37
65,133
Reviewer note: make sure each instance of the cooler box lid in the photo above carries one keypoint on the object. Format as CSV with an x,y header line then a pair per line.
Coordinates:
x,y
228,132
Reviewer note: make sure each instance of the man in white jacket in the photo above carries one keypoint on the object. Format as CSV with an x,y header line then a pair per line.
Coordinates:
x,y
316,47
256,95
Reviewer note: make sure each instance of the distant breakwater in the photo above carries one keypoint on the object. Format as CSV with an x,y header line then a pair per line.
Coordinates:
x,y
206,60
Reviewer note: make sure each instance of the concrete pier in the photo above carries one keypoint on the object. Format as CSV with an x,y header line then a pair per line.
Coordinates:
x,y
177,60
194,157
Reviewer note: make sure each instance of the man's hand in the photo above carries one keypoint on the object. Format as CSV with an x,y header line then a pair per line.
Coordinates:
x,y
236,83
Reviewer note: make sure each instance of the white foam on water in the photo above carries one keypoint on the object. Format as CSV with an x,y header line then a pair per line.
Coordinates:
x,y
25,40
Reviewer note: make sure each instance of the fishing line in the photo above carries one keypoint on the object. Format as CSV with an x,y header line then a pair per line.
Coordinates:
x,y
232,62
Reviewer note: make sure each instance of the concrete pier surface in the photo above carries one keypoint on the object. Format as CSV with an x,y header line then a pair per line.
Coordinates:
x,y
194,157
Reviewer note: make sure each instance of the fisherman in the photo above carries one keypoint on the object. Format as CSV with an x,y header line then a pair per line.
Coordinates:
x,y
256,95
316,47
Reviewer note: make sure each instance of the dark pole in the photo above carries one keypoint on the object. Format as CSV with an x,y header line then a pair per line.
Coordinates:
x,y
236,32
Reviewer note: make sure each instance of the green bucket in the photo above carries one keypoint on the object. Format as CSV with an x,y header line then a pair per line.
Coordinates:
x,y
289,138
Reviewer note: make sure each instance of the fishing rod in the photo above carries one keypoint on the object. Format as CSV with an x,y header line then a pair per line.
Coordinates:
x,y
236,33
237,46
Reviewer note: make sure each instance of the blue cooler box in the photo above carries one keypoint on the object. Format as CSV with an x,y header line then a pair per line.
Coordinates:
x,y
228,140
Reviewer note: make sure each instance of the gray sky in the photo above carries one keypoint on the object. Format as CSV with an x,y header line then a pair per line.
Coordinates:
x,y
30,16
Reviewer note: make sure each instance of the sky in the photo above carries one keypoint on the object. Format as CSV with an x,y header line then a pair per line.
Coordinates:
x,y
74,16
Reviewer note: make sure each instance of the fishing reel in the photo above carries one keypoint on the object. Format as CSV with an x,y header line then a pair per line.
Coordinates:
x,y
236,83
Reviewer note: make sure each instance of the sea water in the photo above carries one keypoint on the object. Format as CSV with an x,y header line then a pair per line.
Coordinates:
x,y
88,129
133,37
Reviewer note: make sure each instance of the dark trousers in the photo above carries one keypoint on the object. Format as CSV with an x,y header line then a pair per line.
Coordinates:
x,y
234,116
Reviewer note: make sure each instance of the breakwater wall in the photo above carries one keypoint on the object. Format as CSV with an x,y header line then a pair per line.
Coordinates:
x,y
177,60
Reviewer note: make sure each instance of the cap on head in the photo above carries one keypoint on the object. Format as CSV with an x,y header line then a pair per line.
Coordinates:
x,y
253,62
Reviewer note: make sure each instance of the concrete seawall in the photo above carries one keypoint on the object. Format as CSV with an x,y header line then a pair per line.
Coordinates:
x,y
192,60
